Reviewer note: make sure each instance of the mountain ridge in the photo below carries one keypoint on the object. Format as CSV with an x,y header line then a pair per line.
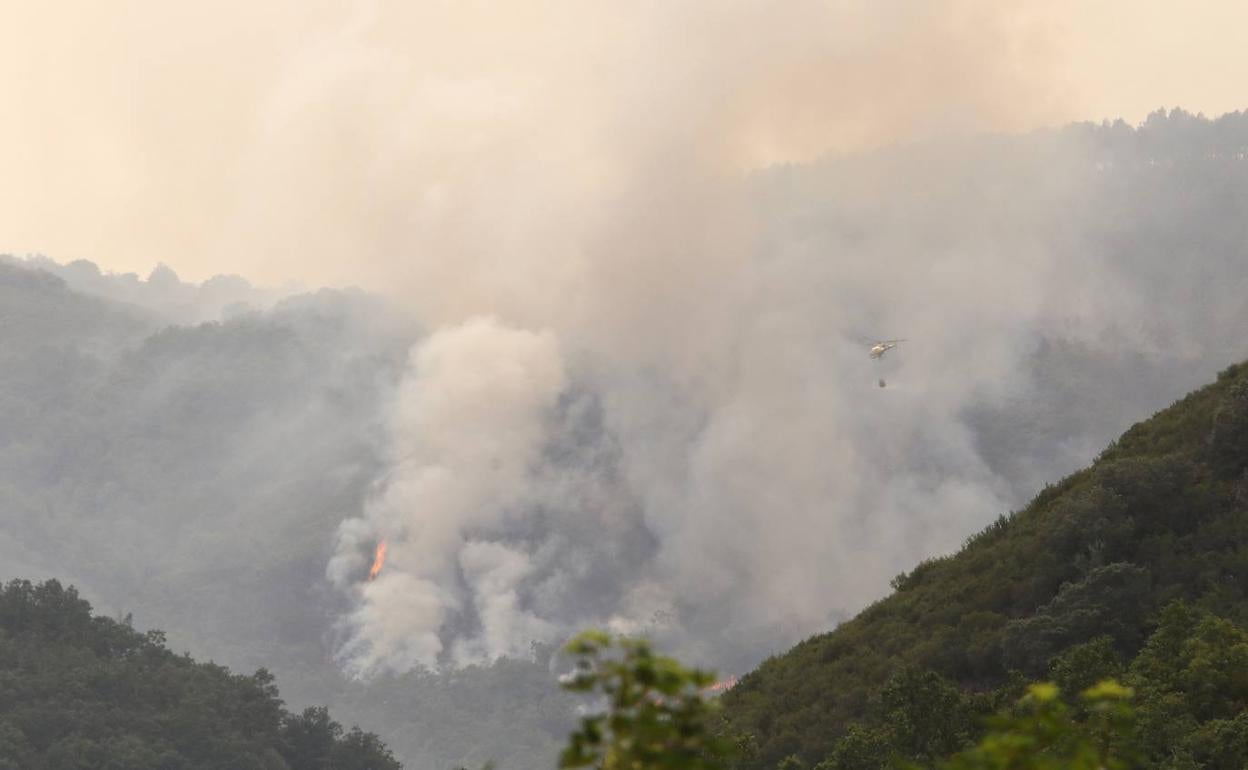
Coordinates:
x,y
1160,516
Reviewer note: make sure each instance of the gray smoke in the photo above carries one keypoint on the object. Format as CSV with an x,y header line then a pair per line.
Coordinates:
x,y
714,330
684,438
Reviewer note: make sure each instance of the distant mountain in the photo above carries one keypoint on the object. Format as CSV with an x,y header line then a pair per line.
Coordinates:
x,y
195,474
1136,564
162,294
79,690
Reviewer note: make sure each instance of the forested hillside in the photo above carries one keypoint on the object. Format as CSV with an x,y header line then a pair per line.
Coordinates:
x,y
1135,567
84,691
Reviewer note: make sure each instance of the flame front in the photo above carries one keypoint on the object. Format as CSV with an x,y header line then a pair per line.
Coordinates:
x,y
378,560
722,686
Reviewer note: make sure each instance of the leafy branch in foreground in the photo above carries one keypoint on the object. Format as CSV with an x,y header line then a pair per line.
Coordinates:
x,y
1046,734
651,711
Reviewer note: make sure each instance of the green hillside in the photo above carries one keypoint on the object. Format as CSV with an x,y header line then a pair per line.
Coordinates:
x,y
81,691
1136,566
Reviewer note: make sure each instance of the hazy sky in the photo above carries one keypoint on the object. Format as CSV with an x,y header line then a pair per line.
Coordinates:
x,y
371,142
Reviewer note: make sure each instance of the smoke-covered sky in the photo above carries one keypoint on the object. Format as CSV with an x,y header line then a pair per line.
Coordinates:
x,y
375,142
638,244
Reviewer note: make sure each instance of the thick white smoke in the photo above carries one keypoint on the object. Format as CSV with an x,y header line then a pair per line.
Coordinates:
x,y
640,272
468,432
668,426
697,447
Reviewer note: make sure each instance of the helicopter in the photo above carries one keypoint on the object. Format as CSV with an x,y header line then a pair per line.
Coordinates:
x,y
880,347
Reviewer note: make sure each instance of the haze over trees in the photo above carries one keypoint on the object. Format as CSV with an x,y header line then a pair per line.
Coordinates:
x,y
1135,569
188,453
1131,571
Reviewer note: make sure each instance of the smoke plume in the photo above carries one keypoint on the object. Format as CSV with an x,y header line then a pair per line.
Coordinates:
x,y
668,425
642,243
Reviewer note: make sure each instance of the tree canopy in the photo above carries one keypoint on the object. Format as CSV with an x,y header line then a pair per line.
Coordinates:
x,y
78,690
1134,568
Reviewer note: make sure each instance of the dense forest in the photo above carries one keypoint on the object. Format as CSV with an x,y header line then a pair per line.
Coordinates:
x,y
1135,568
79,690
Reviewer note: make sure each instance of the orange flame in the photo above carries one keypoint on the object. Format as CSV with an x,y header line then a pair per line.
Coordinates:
x,y
721,686
378,560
